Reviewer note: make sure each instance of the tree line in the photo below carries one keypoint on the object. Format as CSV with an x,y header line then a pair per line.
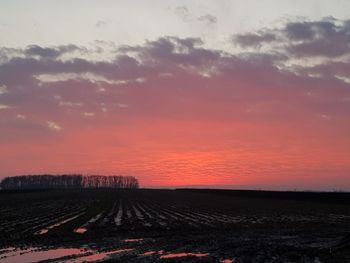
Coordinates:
x,y
68,181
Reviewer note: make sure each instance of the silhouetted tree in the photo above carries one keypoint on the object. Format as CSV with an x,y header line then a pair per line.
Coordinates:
x,y
68,181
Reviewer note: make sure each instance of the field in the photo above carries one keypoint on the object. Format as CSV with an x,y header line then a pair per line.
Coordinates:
x,y
173,225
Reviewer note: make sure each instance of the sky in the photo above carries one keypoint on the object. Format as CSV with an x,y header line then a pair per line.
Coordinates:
x,y
230,94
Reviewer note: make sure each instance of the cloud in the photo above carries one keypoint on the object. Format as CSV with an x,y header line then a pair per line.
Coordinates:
x,y
3,89
319,38
35,50
208,19
89,76
183,13
70,104
253,39
20,116
89,114
2,106
321,47
179,51
121,105
328,38
46,52
53,126
100,23
299,31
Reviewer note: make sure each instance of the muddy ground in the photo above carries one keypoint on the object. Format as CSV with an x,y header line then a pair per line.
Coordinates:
x,y
173,226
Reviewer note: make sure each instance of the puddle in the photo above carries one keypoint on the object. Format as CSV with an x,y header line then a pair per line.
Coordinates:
x,y
178,255
130,240
80,230
14,252
42,232
35,254
6,249
99,256
30,255
47,229
150,253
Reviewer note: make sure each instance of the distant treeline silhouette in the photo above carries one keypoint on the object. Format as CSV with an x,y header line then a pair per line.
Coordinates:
x,y
69,181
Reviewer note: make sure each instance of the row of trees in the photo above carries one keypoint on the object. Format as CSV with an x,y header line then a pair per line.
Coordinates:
x,y
98,181
70,181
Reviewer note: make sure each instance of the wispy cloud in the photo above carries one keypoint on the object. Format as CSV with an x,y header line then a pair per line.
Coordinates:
x,y
53,126
3,89
208,19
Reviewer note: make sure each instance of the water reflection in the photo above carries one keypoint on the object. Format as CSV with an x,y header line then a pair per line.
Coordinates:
x,y
4,250
47,229
150,253
75,255
34,254
100,256
80,230
80,255
183,254
227,261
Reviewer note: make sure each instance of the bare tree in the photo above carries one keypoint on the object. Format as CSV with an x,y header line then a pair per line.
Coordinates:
x,y
68,181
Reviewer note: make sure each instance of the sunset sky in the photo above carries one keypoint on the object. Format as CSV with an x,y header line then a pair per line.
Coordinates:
x,y
234,94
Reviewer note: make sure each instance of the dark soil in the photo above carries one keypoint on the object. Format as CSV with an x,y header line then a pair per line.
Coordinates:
x,y
248,226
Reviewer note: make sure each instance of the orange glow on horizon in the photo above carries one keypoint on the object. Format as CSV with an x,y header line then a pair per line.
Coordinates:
x,y
171,153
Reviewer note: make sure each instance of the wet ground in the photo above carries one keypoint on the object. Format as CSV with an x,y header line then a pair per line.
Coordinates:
x,y
172,226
